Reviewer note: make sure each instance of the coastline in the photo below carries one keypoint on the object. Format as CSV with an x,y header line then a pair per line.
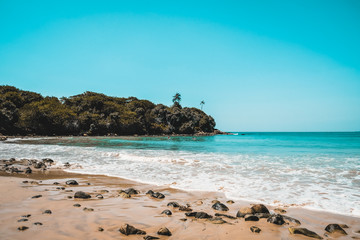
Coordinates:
x,y
140,211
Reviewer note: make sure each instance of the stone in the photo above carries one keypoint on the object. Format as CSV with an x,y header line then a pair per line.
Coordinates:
x,y
22,228
262,215
251,218
279,210
224,215
37,196
71,182
243,211
305,232
291,220
157,195
343,225
200,215
220,207
100,229
185,209
255,229
100,196
82,195
259,208
131,191
28,170
38,223
88,209
217,220
335,228
38,165
77,205
25,181
230,202
124,195
48,211
173,204
48,161
166,212
164,231
183,219
23,220
127,230
56,183
150,237
26,216
276,219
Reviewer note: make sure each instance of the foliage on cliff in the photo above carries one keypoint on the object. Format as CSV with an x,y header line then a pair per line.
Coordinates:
x,y
24,112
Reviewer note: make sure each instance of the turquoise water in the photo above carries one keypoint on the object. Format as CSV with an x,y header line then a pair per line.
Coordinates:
x,y
315,170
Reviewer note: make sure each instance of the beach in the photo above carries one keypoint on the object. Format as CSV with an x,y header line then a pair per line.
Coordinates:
x,y
28,196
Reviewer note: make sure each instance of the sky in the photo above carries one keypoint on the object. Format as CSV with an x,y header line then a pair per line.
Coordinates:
x,y
258,65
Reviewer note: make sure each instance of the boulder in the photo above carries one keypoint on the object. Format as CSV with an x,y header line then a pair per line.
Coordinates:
x,y
243,211
305,232
220,207
251,218
166,212
291,220
173,204
335,228
131,191
276,219
28,170
127,229
100,196
72,182
82,195
259,208
164,231
157,195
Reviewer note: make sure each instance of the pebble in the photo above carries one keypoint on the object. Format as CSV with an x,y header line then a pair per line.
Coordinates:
x,y
164,231
48,211
22,228
255,229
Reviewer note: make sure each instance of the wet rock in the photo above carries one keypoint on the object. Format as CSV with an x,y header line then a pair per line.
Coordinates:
x,y
230,202
185,209
335,228
100,196
183,219
166,212
56,183
28,170
200,215
157,195
124,195
343,225
224,215
220,207
37,196
38,165
60,188
259,208
88,209
251,218
48,161
243,211
130,230
291,220
173,204
25,181
71,182
22,228
67,164
150,237
164,231
100,229
255,229
26,216
69,197
279,210
48,211
23,220
305,232
131,191
82,195
217,220
276,219
38,223
77,205
262,215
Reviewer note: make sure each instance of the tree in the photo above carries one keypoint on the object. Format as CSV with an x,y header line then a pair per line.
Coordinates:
x,y
202,104
177,98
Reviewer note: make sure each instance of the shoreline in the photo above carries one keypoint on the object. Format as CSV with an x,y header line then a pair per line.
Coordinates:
x,y
140,211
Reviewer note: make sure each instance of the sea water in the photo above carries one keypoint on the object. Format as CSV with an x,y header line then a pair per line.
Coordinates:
x,y
314,170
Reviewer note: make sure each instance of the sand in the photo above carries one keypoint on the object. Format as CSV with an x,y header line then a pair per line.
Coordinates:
x,y
140,211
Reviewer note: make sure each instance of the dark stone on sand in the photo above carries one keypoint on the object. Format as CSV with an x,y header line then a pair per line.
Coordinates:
x,y
155,194
243,211
305,232
217,220
23,220
60,188
276,219
28,170
343,225
81,194
69,197
38,165
259,208
251,218
335,228
47,212
185,209
100,196
224,215
26,216
173,204
100,229
280,210
38,223
201,215
183,219
131,191
77,205
22,228
262,215
150,237
56,183
166,212
230,202
48,161
291,220
37,196
130,230
220,207
67,165
255,229
88,209
164,231
25,181
72,182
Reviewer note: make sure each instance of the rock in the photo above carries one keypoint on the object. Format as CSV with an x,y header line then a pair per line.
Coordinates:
x,y
28,170
72,182
25,181
335,228
262,215
305,232
69,197
291,220
217,220
100,229
69,190
77,205
220,207
230,202
157,195
276,219
38,223
130,230
173,204
255,229
259,208
131,191
48,161
243,211
22,228
67,164
167,212
100,196
82,195
38,165
48,211
343,225
224,215
26,216
150,237
56,183
185,209
164,231
251,218
124,195
183,219
37,196
88,209
23,220
279,210
201,215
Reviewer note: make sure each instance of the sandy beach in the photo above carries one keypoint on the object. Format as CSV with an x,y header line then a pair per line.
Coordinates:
x,y
26,197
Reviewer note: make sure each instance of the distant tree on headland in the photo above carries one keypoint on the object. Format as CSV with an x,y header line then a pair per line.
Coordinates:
x,y
177,98
202,104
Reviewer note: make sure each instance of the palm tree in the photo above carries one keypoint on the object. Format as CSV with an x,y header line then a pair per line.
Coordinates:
x,y
177,98
202,104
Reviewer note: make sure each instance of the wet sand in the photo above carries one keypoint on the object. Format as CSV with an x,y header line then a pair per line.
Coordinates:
x,y
140,211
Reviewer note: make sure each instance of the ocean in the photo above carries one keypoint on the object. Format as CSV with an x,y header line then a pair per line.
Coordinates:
x,y
319,171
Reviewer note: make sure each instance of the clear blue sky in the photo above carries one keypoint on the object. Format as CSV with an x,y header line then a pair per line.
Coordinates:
x,y
258,65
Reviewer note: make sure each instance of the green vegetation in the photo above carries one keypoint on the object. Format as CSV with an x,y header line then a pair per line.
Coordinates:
x,y
24,112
